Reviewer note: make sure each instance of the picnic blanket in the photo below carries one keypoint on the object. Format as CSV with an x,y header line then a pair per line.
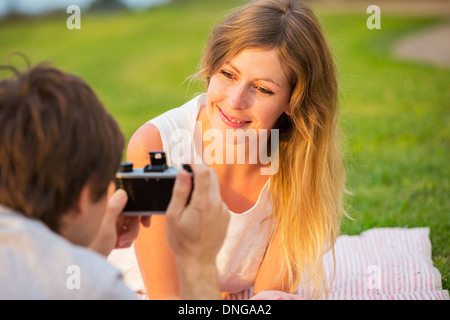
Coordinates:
x,y
381,263
385,263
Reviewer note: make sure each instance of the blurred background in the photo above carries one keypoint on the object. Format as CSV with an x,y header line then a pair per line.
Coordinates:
x,y
394,95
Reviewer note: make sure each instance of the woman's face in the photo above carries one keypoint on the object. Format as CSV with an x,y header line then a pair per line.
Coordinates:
x,y
249,91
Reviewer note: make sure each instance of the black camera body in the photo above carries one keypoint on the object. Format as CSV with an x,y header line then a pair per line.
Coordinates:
x,y
149,189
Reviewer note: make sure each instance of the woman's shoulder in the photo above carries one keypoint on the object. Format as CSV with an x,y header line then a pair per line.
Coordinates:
x,y
146,138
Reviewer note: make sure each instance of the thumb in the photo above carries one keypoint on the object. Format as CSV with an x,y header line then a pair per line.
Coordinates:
x,y
106,236
116,203
180,193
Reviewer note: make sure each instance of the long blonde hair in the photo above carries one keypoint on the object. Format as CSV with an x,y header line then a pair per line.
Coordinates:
x,y
308,188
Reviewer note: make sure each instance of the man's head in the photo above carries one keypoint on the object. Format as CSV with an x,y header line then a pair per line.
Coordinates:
x,y
58,145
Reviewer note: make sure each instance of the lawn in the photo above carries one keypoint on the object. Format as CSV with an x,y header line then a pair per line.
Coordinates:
x,y
394,114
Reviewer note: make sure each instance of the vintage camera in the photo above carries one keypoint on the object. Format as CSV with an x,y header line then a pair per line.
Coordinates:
x,y
149,189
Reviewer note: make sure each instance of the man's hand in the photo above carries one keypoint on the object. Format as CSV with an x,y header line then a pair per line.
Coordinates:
x,y
196,232
117,231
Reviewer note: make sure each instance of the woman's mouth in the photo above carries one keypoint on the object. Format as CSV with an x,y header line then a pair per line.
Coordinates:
x,y
231,121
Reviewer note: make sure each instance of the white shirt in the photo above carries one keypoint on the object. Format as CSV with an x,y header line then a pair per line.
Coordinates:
x,y
36,263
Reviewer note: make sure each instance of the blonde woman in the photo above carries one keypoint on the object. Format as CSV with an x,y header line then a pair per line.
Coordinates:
x,y
268,69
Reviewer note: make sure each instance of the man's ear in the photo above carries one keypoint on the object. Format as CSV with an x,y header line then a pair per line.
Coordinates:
x,y
81,205
76,217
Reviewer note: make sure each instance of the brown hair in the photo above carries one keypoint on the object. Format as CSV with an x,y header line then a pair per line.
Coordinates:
x,y
308,188
55,137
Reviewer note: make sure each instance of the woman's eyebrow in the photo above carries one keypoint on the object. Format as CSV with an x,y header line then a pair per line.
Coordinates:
x,y
262,79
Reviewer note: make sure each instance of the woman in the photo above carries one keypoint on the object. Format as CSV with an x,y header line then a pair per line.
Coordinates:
x,y
268,69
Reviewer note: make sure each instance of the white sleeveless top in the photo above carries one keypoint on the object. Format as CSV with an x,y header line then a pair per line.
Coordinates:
x,y
249,232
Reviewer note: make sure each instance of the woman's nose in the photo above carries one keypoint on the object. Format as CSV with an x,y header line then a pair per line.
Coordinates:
x,y
238,97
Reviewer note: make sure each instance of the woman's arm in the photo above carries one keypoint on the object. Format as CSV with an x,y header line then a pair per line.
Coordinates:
x,y
155,258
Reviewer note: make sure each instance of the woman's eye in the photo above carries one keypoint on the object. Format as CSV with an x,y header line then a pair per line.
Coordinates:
x,y
226,74
264,91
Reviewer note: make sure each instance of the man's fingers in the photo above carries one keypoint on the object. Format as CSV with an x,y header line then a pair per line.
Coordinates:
x,y
127,231
180,193
202,182
107,234
145,221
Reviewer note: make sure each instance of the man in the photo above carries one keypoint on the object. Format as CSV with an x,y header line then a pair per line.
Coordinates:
x,y
59,152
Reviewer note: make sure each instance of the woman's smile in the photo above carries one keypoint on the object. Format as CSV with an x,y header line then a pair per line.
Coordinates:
x,y
232,121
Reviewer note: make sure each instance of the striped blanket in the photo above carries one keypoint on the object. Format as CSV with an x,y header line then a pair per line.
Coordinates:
x,y
384,263
381,264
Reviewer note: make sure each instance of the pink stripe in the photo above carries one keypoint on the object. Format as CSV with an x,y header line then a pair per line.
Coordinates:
x,y
397,257
377,240
360,265
416,271
417,277
364,247
347,272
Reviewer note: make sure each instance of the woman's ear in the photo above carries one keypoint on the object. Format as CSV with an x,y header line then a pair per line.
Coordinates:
x,y
288,111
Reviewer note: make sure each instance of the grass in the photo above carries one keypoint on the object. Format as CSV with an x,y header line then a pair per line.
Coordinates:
x,y
394,114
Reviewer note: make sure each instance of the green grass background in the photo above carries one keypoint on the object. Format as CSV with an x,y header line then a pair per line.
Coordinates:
x,y
395,114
